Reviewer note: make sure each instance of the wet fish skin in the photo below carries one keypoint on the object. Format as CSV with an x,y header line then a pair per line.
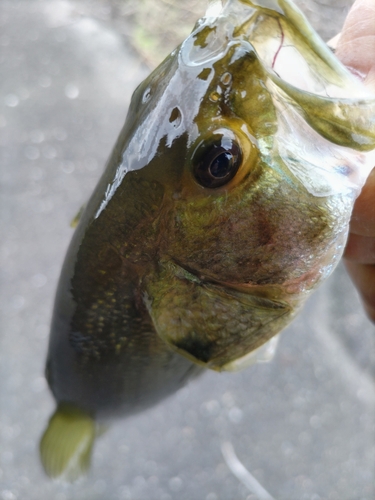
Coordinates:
x,y
173,269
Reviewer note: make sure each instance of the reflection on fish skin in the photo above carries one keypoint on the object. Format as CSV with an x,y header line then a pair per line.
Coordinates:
x,y
225,202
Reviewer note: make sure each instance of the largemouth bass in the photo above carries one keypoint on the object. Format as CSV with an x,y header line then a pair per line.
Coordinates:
x,y
224,204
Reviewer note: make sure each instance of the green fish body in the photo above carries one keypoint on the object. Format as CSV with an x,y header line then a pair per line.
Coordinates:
x,y
225,202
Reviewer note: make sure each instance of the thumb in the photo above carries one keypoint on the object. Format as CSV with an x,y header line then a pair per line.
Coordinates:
x,y
356,47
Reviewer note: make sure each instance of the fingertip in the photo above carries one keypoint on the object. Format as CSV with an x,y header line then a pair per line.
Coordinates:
x,y
356,46
360,249
363,216
370,311
363,277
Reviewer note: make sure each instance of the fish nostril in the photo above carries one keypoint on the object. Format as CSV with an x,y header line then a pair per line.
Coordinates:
x,y
146,95
175,117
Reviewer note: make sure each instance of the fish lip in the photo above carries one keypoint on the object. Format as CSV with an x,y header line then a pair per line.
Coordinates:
x,y
258,293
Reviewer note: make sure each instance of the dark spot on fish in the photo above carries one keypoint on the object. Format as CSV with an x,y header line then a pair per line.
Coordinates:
x,y
79,342
204,74
201,37
196,347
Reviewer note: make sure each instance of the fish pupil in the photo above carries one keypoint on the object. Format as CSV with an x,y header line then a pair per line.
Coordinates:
x,y
222,165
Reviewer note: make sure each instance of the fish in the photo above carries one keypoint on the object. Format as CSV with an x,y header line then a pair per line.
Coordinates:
x,y
224,204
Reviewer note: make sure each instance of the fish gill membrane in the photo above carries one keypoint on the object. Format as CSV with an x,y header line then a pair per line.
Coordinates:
x,y
238,253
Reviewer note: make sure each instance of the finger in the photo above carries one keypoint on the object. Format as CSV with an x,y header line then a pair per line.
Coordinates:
x,y
356,47
363,276
334,41
363,216
360,249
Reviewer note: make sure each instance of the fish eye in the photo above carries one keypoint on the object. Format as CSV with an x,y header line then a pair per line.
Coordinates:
x,y
217,161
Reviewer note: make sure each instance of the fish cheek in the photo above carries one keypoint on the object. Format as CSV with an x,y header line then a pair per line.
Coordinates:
x,y
116,248
262,232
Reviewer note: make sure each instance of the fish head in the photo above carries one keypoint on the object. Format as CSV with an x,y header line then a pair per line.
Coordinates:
x,y
260,194
227,197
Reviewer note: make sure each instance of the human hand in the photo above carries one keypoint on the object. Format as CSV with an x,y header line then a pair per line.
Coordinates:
x,y
356,49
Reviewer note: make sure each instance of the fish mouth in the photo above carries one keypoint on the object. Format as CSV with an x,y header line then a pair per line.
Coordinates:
x,y
262,296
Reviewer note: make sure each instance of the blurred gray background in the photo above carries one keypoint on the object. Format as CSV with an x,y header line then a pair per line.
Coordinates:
x,y
303,424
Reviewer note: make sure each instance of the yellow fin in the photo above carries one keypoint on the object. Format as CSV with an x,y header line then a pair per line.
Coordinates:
x,y
66,445
76,218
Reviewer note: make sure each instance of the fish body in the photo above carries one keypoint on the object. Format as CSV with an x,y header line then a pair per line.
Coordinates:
x,y
225,202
